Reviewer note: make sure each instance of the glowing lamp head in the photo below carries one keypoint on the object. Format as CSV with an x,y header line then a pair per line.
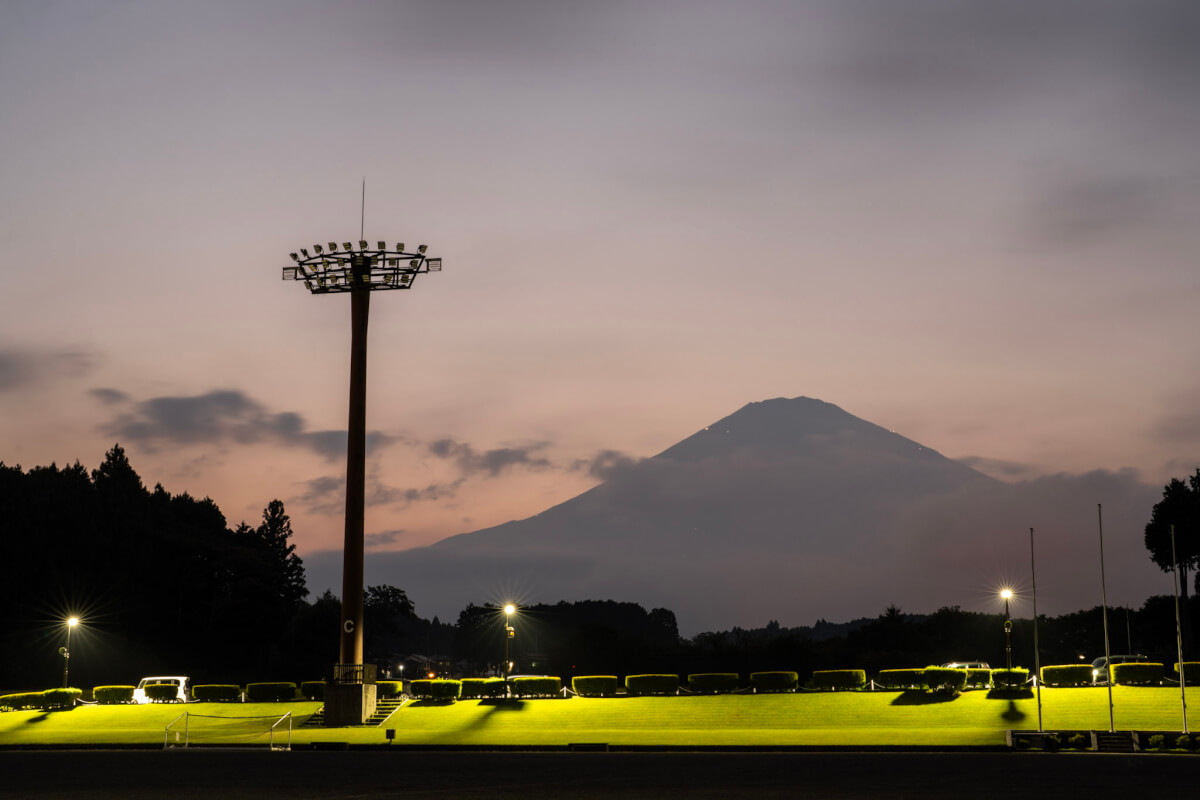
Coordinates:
x,y
509,609
72,622
1006,594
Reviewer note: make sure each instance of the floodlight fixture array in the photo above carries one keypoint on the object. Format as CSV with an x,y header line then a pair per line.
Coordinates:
x,y
333,271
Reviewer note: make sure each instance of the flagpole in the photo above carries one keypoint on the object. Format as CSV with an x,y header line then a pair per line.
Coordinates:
x,y
1179,634
1037,659
1108,677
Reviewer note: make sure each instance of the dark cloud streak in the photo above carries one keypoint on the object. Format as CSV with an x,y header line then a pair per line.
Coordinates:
x,y
22,368
223,415
491,462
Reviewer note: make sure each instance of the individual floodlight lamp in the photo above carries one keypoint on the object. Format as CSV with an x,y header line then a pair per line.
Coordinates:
x,y
362,244
333,247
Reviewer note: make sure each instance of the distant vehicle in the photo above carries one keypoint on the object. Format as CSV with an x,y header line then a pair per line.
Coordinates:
x,y
967,665
1099,666
180,682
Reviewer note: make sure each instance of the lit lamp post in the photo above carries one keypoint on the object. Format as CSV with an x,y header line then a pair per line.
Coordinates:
x,y
1007,595
357,272
66,651
508,634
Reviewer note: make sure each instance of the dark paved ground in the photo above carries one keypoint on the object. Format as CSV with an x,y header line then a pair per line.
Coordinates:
x,y
231,775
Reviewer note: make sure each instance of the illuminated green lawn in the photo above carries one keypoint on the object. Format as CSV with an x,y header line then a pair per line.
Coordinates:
x,y
842,718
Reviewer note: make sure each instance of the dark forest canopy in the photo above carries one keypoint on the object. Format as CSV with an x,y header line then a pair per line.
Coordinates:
x,y
165,586
157,577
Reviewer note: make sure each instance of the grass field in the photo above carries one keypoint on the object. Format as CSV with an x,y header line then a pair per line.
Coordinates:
x,y
821,719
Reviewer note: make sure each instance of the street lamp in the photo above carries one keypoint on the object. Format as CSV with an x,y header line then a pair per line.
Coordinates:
x,y
357,272
66,651
1007,595
509,633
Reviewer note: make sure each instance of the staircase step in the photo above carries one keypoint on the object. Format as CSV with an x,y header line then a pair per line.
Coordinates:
x,y
1123,742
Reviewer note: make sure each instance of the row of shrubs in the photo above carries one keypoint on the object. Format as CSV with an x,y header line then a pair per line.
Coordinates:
x,y
1134,673
599,685
266,692
928,678
49,700
944,679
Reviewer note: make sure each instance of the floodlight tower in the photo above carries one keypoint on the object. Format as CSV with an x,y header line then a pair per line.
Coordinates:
x,y
357,272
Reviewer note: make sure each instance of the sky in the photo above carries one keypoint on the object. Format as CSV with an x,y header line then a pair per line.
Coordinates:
x,y
971,223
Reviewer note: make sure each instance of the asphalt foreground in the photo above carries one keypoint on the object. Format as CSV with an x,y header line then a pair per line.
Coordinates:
x,y
380,774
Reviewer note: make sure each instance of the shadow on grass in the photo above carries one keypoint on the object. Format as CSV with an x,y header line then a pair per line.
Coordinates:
x,y
919,697
1012,714
432,703
503,703
1009,694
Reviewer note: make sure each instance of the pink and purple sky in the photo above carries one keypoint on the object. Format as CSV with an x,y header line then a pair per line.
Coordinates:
x,y
976,224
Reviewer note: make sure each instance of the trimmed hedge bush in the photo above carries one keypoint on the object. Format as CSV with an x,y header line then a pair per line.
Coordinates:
x,y
21,701
477,688
978,678
652,684
270,692
313,690
436,689
774,681
162,692
1191,672
902,678
56,699
1009,678
217,693
1137,674
595,685
1067,675
713,682
108,695
944,679
385,690
536,687
841,679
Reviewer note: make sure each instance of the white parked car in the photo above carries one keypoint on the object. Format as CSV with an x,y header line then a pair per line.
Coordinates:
x,y
179,681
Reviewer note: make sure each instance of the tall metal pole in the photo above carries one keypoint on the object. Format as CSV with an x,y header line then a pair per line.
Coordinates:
x,y
1007,635
1179,634
67,656
1104,601
351,648
357,272
1037,659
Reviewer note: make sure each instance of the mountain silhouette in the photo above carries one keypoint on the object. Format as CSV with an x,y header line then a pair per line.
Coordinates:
x,y
777,476
791,510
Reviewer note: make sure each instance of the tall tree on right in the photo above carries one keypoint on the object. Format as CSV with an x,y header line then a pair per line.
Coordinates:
x,y
1180,507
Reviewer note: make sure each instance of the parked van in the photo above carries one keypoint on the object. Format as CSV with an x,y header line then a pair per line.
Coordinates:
x,y
179,681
